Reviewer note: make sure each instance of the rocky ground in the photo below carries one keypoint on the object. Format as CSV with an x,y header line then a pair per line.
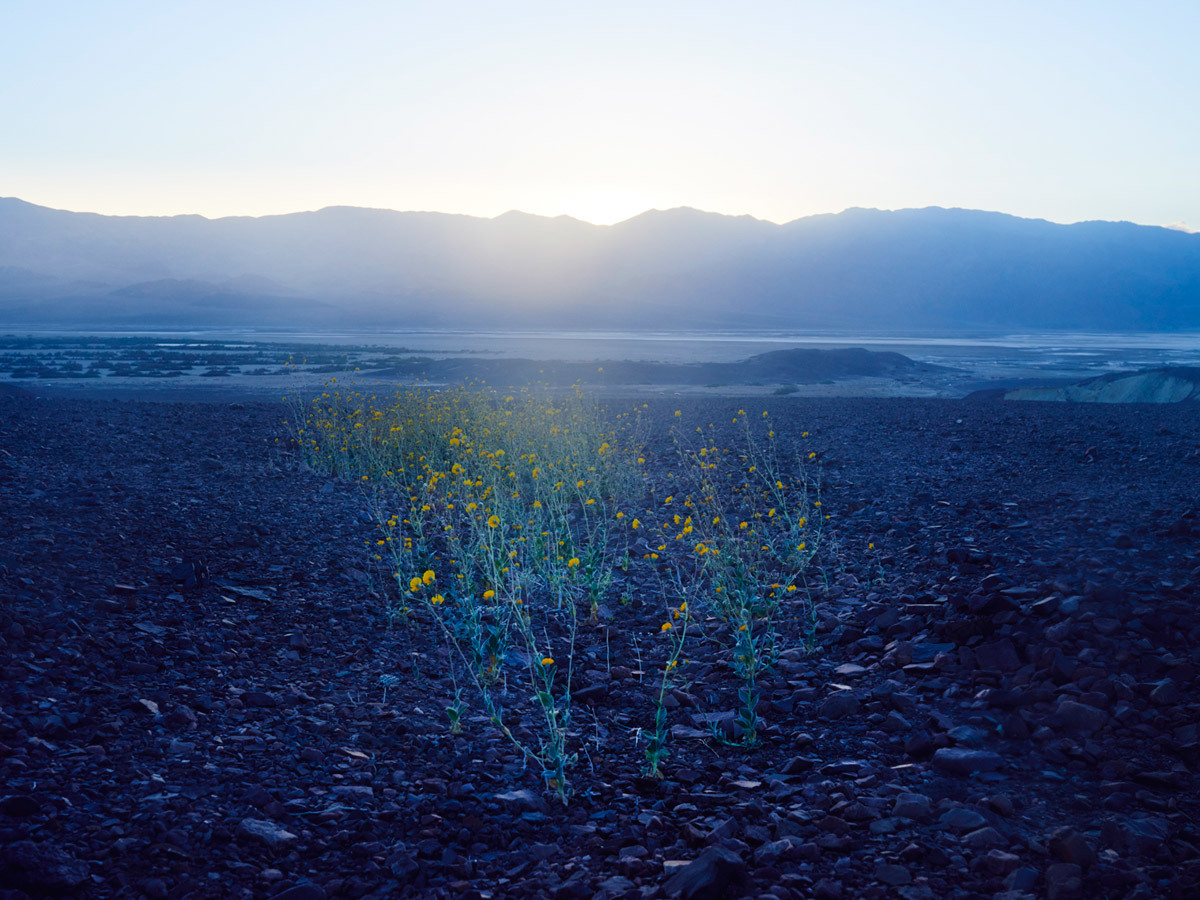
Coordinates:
x,y
1003,702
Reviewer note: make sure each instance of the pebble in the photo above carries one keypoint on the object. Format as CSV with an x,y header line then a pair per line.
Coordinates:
x,y
708,876
890,873
306,891
267,832
839,705
964,762
1076,716
961,819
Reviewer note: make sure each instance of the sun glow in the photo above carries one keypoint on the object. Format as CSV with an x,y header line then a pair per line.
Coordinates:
x,y
602,206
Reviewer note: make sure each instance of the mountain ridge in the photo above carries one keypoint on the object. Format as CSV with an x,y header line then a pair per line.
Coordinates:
x,y
922,268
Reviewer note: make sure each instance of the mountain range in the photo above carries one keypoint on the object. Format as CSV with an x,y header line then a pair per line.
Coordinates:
x,y
911,271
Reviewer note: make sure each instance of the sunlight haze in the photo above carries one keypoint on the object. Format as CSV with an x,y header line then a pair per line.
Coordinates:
x,y
1065,111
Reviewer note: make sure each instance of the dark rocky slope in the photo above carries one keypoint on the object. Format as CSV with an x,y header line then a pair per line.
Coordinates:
x,y
1004,703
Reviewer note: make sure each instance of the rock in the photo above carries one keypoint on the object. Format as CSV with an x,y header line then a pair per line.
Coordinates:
x,y
258,700
828,889
190,573
838,706
20,806
1000,655
999,803
1022,879
1063,880
962,819
589,694
1070,846
913,806
524,800
964,762
1140,837
402,863
1165,693
41,868
890,873
618,886
306,891
1080,717
268,832
998,862
896,723
798,765
770,853
984,837
707,876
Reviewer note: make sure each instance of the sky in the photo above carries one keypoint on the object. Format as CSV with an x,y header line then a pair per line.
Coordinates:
x,y
1058,110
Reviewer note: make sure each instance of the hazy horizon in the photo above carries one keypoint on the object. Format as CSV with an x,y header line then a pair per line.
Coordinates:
x,y
1175,226
1066,113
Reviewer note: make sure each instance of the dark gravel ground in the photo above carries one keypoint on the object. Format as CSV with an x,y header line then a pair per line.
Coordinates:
x,y
1003,703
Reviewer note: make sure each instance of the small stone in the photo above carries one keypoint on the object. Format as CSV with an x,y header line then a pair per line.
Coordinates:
x,y
590,694
1063,880
798,765
1000,655
1022,879
984,837
1141,837
41,867
1080,717
770,853
20,806
614,887
962,819
999,803
258,699
1165,694
890,873
267,832
1070,846
965,762
523,799
999,862
306,891
707,877
827,889
838,706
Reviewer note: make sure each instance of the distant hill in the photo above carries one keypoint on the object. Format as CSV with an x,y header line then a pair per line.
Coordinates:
x,y
1171,384
777,367
916,270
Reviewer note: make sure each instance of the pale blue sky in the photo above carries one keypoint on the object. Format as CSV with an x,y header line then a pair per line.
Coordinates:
x,y
1064,111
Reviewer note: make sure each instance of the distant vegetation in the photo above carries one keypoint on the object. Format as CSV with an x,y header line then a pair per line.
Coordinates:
x,y
146,357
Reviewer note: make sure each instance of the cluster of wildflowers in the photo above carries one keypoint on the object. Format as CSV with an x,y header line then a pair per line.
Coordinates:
x,y
506,518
